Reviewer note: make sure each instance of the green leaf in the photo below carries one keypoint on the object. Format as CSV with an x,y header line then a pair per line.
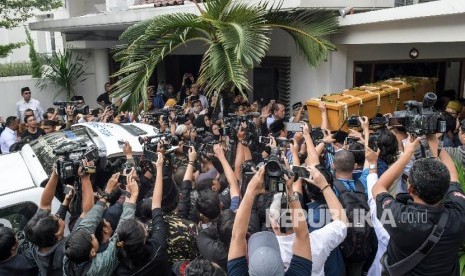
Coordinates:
x,y
308,28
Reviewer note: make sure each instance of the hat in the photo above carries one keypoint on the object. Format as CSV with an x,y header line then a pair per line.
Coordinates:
x,y
455,105
265,255
180,130
25,89
170,103
211,174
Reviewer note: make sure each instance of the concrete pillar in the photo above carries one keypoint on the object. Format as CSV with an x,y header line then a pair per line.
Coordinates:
x,y
102,71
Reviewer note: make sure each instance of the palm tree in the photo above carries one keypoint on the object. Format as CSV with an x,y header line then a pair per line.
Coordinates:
x,y
64,70
237,36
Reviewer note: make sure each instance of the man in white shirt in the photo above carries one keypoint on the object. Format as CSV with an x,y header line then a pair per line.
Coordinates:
x,y
323,240
9,136
28,103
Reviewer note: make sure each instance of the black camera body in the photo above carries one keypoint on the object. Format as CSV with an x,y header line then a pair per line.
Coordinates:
x,y
233,123
151,144
274,173
84,110
70,160
420,118
317,135
353,121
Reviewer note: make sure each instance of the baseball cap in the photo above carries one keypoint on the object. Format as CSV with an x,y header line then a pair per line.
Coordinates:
x,y
264,255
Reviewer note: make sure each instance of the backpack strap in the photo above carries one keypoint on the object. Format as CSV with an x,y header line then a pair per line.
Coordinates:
x,y
359,187
404,266
339,186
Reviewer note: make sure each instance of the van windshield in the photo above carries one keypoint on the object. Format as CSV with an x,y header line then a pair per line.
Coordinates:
x,y
62,141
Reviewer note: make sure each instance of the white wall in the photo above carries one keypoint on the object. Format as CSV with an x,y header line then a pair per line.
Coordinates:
x,y
89,89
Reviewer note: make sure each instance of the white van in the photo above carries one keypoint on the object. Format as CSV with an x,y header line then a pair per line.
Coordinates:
x,y
24,173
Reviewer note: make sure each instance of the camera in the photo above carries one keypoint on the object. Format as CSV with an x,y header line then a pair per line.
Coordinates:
x,y
206,149
79,107
317,135
420,118
353,121
274,173
378,121
169,143
373,141
264,140
300,172
233,124
69,161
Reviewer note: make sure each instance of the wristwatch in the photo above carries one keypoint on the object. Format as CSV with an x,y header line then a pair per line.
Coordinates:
x,y
372,167
293,197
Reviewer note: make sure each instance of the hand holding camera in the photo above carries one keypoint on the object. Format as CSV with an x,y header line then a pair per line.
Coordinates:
x,y
112,183
192,155
255,186
86,169
412,143
316,178
127,150
364,123
132,189
371,156
159,163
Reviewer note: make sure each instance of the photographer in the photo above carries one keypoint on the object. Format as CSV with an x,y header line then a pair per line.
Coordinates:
x,y
438,209
81,247
138,252
263,247
46,231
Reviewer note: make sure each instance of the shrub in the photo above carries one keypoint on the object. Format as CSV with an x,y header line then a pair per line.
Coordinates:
x,y
15,69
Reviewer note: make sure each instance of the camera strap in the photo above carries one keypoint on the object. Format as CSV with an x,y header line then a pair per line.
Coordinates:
x,y
402,267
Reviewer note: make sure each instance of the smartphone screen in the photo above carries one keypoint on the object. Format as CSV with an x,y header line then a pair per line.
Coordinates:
x,y
294,127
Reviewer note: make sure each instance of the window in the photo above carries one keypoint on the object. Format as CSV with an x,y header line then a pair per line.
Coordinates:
x,y
16,217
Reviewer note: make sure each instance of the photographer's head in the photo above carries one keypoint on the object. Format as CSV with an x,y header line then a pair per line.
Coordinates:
x,y
49,126
45,229
208,204
344,162
8,243
388,146
429,180
12,123
81,246
278,129
132,235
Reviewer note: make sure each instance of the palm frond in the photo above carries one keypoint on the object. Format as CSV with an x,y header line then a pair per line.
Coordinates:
x,y
214,9
308,28
219,69
243,31
140,58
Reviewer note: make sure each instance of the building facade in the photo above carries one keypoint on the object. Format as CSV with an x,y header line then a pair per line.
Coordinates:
x,y
376,42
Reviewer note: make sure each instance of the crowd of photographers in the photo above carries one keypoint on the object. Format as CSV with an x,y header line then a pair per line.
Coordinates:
x,y
238,188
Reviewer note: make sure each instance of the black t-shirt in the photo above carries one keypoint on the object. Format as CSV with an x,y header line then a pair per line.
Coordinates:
x,y
105,98
33,136
21,264
410,224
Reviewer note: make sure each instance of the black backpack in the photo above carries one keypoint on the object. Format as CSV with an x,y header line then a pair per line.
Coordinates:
x,y
358,245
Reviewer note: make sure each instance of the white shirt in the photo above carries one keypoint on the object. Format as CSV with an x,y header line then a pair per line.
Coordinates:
x,y
322,242
381,233
7,139
204,101
33,104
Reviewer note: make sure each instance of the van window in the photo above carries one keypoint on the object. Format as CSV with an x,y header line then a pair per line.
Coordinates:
x,y
16,217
